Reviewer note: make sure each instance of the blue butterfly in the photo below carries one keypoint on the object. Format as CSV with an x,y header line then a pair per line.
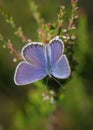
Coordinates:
x,y
41,60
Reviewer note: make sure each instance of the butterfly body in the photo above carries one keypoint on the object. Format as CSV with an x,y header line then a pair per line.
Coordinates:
x,y
42,60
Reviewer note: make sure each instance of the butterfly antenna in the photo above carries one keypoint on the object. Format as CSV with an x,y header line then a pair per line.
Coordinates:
x,y
57,81
46,82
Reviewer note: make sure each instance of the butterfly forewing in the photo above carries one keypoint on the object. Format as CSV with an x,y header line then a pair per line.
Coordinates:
x,y
61,69
26,73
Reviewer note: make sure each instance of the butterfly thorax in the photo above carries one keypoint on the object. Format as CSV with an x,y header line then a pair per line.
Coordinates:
x,y
48,63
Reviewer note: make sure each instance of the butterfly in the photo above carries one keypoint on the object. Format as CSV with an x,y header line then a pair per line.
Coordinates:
x,y
41,60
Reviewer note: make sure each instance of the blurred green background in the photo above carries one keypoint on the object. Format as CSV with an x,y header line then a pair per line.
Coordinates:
x,y
22,108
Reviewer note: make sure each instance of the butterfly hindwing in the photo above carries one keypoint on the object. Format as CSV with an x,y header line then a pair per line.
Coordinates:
x,y
34,53
56,48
